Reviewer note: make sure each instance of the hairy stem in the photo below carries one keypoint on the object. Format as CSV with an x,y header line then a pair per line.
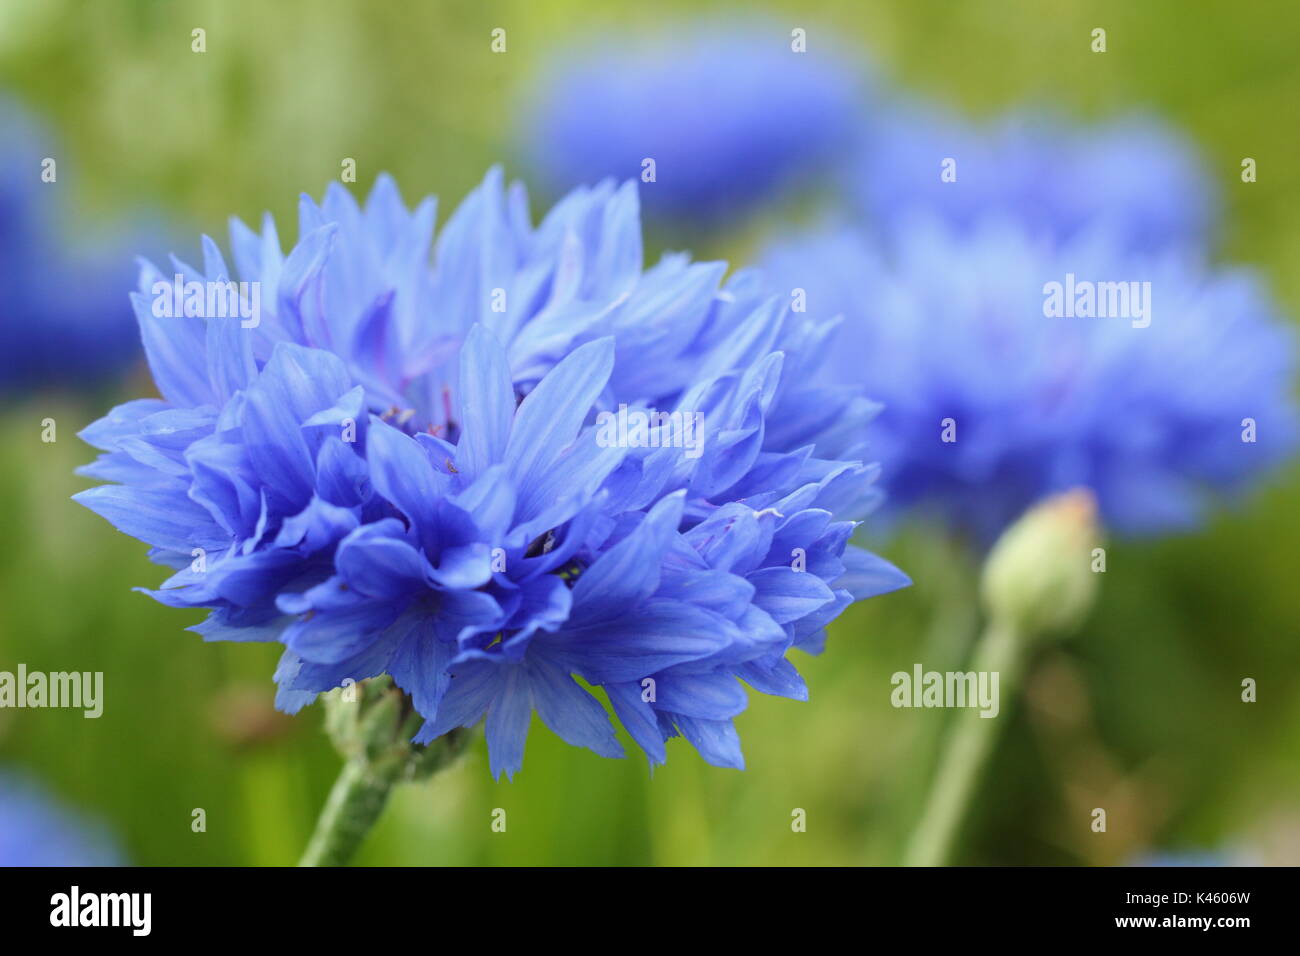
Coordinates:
x,y
352,809
372,727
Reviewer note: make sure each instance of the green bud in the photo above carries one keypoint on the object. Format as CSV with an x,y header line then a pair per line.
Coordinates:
x,y
1038,578
373,723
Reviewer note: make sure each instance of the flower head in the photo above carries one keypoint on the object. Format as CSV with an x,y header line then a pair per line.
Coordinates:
x,y
714,117
1007,373
1144,180
64,320
406,468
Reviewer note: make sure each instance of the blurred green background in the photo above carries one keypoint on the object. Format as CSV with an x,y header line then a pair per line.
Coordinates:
x,y
1140,714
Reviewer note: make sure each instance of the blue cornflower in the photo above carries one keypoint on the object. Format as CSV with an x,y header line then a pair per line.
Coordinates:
x,y
36,830
991,403
729,114
64,321
1145,180
391,466
1198,858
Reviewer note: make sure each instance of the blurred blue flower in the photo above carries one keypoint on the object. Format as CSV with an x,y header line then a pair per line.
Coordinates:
x,y
36,830
64,320
729,113
1197,858
396,468
949,329
1142,179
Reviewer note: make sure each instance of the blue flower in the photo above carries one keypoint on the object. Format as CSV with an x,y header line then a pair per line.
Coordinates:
x,y
1139,176
729,113
392,467
992,403
65,321
1198,858
35,830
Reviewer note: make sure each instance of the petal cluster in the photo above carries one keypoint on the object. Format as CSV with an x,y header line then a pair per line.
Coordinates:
x,y
994,400
403,464
715,116
1134,173
64,320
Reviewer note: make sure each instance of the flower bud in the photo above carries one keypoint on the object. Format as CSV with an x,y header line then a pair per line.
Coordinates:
x,y
1038,577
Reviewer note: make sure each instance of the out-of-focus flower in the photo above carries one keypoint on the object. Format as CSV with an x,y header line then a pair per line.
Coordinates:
x,y
1140,178
64,321
36,830
729,114
392,468
1178,385
1198,858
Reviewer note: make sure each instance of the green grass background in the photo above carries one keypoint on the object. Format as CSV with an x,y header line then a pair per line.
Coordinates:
x,y
1139,714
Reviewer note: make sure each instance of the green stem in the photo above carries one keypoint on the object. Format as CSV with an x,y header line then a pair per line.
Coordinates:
x,y
354,805
1000,650
373,731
